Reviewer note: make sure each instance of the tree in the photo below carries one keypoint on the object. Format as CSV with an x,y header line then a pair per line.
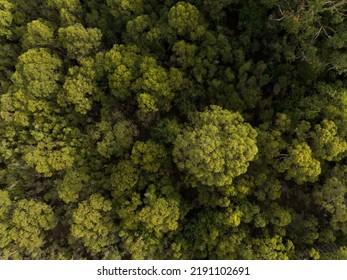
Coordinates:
x,y
184,53
272,248
185,19
126,8
116,139
79,41
300,165
69,10
37,72
72,184
216,148
158,85
166,131
327,145
123,178
330,196
121,64
46,158
80,86
200,129
5,204
6,18
24,230
92,223
148,155
160,215
39,34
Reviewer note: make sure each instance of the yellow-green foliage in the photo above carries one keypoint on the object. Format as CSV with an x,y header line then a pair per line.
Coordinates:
x,y
72,184
200,129
26,225
217,147
92,223
148,155
300,165
79,41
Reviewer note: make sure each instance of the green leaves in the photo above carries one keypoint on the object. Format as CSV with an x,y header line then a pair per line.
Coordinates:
x,y
132,74
148,155
116,139
26,225
184,18
161,215
39,34
92,223
69,10
72,184
217,149
300,165
203,129
37,72
331,196
147,103
272,248
6,18
46,158
326,142
79,41
124,178
184,53
5,203
122,65
125,7
80,86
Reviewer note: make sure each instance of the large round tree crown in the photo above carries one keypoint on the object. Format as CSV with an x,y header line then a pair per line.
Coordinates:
x,y
216,147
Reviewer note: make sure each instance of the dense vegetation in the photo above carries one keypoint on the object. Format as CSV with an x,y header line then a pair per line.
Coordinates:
x,y
162,129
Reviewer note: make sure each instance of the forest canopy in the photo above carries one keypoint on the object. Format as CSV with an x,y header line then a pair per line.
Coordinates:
x,y
162,129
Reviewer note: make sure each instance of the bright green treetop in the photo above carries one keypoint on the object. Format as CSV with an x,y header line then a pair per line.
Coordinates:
x,y
78,40
300,164
30,219
92,223
185,19
216,147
